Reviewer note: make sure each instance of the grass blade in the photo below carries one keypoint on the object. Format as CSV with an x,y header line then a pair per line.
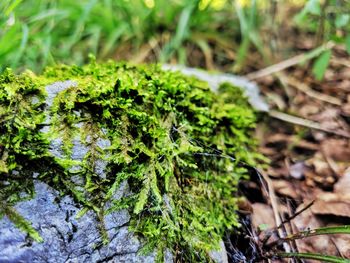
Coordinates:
x,y
182,32
25,33
20,222
321,64
314,256
321,231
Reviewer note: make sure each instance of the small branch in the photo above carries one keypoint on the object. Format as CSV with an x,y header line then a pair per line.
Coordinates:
x,y
306,123
307,90
289,62
296,214
274,204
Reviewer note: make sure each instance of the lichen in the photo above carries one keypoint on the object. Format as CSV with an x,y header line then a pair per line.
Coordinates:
x,y
179,146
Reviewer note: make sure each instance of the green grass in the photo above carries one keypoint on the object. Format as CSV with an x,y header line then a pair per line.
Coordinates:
x,y
205,33
36,33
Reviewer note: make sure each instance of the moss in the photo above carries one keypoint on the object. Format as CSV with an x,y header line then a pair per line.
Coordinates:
x,y
179,146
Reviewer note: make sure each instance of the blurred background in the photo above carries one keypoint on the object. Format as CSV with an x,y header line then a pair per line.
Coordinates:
x,y
234,36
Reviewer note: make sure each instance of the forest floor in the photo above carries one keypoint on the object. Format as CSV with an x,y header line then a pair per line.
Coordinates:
x,y
305,136
310,160
309,157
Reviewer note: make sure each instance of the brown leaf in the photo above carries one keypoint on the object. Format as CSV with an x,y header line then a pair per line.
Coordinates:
x,y
332,207
342,187
346,109
337,149
285,188
336,203
245,206
322,174
262,215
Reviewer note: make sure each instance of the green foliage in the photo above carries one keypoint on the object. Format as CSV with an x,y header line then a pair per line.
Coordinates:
x,y
344,229
329,21
314,256
34,33
321,64
181,148
249,26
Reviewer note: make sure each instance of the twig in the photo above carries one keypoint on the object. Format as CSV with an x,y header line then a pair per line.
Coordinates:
x,y
264,241
296,214
289,62
291,231
306,123
274,205
307,90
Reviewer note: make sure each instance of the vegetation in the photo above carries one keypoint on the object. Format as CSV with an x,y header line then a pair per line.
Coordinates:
x,y
238,36
181,148
34,34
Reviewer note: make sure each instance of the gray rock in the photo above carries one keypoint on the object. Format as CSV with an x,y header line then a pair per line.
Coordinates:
x,y
220,256
66,237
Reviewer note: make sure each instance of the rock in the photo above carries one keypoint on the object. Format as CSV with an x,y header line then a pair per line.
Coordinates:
x,y
68,238
219,256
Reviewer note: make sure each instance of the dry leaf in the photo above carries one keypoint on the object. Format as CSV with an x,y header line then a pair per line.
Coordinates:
x,y
285,188
336,203
342,187
337,149
262,215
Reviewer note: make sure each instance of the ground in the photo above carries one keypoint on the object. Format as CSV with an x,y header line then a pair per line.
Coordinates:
x,y
309,164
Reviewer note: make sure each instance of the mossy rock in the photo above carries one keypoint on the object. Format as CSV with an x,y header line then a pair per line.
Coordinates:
x,y
113,148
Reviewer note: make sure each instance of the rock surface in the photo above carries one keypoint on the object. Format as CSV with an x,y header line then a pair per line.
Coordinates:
x,y
66,238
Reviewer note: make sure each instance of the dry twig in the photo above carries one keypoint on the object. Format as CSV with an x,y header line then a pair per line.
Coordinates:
x,y
306,123
288,63
307,90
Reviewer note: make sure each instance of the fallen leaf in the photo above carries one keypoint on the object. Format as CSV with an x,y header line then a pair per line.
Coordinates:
x,y
336,203
262,215
337,149
335,207
285,188
342,187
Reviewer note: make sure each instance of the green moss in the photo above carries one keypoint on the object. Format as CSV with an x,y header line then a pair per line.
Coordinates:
x,y
179,146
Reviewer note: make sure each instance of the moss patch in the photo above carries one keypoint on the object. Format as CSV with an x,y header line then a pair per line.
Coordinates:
x,y
178,145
